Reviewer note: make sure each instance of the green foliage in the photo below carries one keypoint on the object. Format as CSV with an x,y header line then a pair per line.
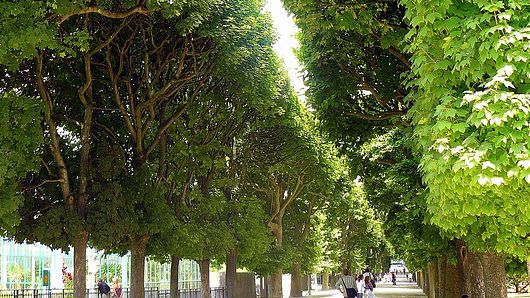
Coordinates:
x,y
164,88
355,58
21,138
471,118
352,229
392,183
354,62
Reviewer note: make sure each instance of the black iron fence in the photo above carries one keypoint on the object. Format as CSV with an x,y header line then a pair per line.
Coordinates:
x,y
93,293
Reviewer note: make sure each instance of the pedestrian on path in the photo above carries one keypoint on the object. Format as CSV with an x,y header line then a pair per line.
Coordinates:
x,y
346,285
103,288
394,279
368,288
360,286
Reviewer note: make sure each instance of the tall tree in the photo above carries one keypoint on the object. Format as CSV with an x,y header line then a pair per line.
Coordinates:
x,y
470,120
133,68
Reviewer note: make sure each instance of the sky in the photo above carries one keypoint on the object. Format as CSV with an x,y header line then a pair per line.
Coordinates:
x,y
286,43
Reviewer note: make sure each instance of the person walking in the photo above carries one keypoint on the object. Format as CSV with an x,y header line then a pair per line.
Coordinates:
x,y
394,279
368,288
360,286
346,285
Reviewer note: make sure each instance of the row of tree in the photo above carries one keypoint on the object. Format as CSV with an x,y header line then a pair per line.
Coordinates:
x,y
429,99
169,130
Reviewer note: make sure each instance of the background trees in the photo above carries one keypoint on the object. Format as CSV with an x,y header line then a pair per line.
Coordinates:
x,y
468,114
355,59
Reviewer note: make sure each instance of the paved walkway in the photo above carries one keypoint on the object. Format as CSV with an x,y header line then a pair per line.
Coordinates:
x,y
403,289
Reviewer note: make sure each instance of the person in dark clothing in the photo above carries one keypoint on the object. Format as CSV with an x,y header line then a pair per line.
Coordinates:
x,y
103,288
394,278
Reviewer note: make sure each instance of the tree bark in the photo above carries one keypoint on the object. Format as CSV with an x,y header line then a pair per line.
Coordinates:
x,y
138,249
276,276
432,279
231,272
442,276
80,246
296,279
426,279
325,280
276,284
174,278
262,286
528,267
420,280
453,282
485,274
204,266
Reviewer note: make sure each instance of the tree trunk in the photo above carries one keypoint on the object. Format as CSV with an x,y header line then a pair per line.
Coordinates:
x,y
325,280
442,276
296,279
432,279
138,248
344,267
262,286
276,284
80,246
420,280
426,278
174,278
528,267
485,274
231,271
333,280
453,282
204,266
276,276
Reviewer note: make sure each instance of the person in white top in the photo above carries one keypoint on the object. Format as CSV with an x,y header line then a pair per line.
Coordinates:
x,y
345,284
360,286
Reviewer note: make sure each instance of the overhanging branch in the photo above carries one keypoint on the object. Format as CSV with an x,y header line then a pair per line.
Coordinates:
x,y
104,12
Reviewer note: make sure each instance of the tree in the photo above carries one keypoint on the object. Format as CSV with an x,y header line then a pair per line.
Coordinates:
x,y
356,60
470,119
306,215
284,163
202,150
151,59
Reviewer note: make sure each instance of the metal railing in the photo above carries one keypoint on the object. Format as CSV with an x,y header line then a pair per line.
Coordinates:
x,y
93,293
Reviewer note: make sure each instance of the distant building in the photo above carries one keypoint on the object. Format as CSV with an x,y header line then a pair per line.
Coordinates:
x,y
22,266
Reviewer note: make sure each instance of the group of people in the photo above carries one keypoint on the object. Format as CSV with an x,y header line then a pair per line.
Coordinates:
x,y
106,291
361,286
390,277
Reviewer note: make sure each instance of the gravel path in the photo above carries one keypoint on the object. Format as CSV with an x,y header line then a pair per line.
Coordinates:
x,y
401,290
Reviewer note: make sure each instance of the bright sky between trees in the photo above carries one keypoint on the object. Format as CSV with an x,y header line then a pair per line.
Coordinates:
x,y
286,44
